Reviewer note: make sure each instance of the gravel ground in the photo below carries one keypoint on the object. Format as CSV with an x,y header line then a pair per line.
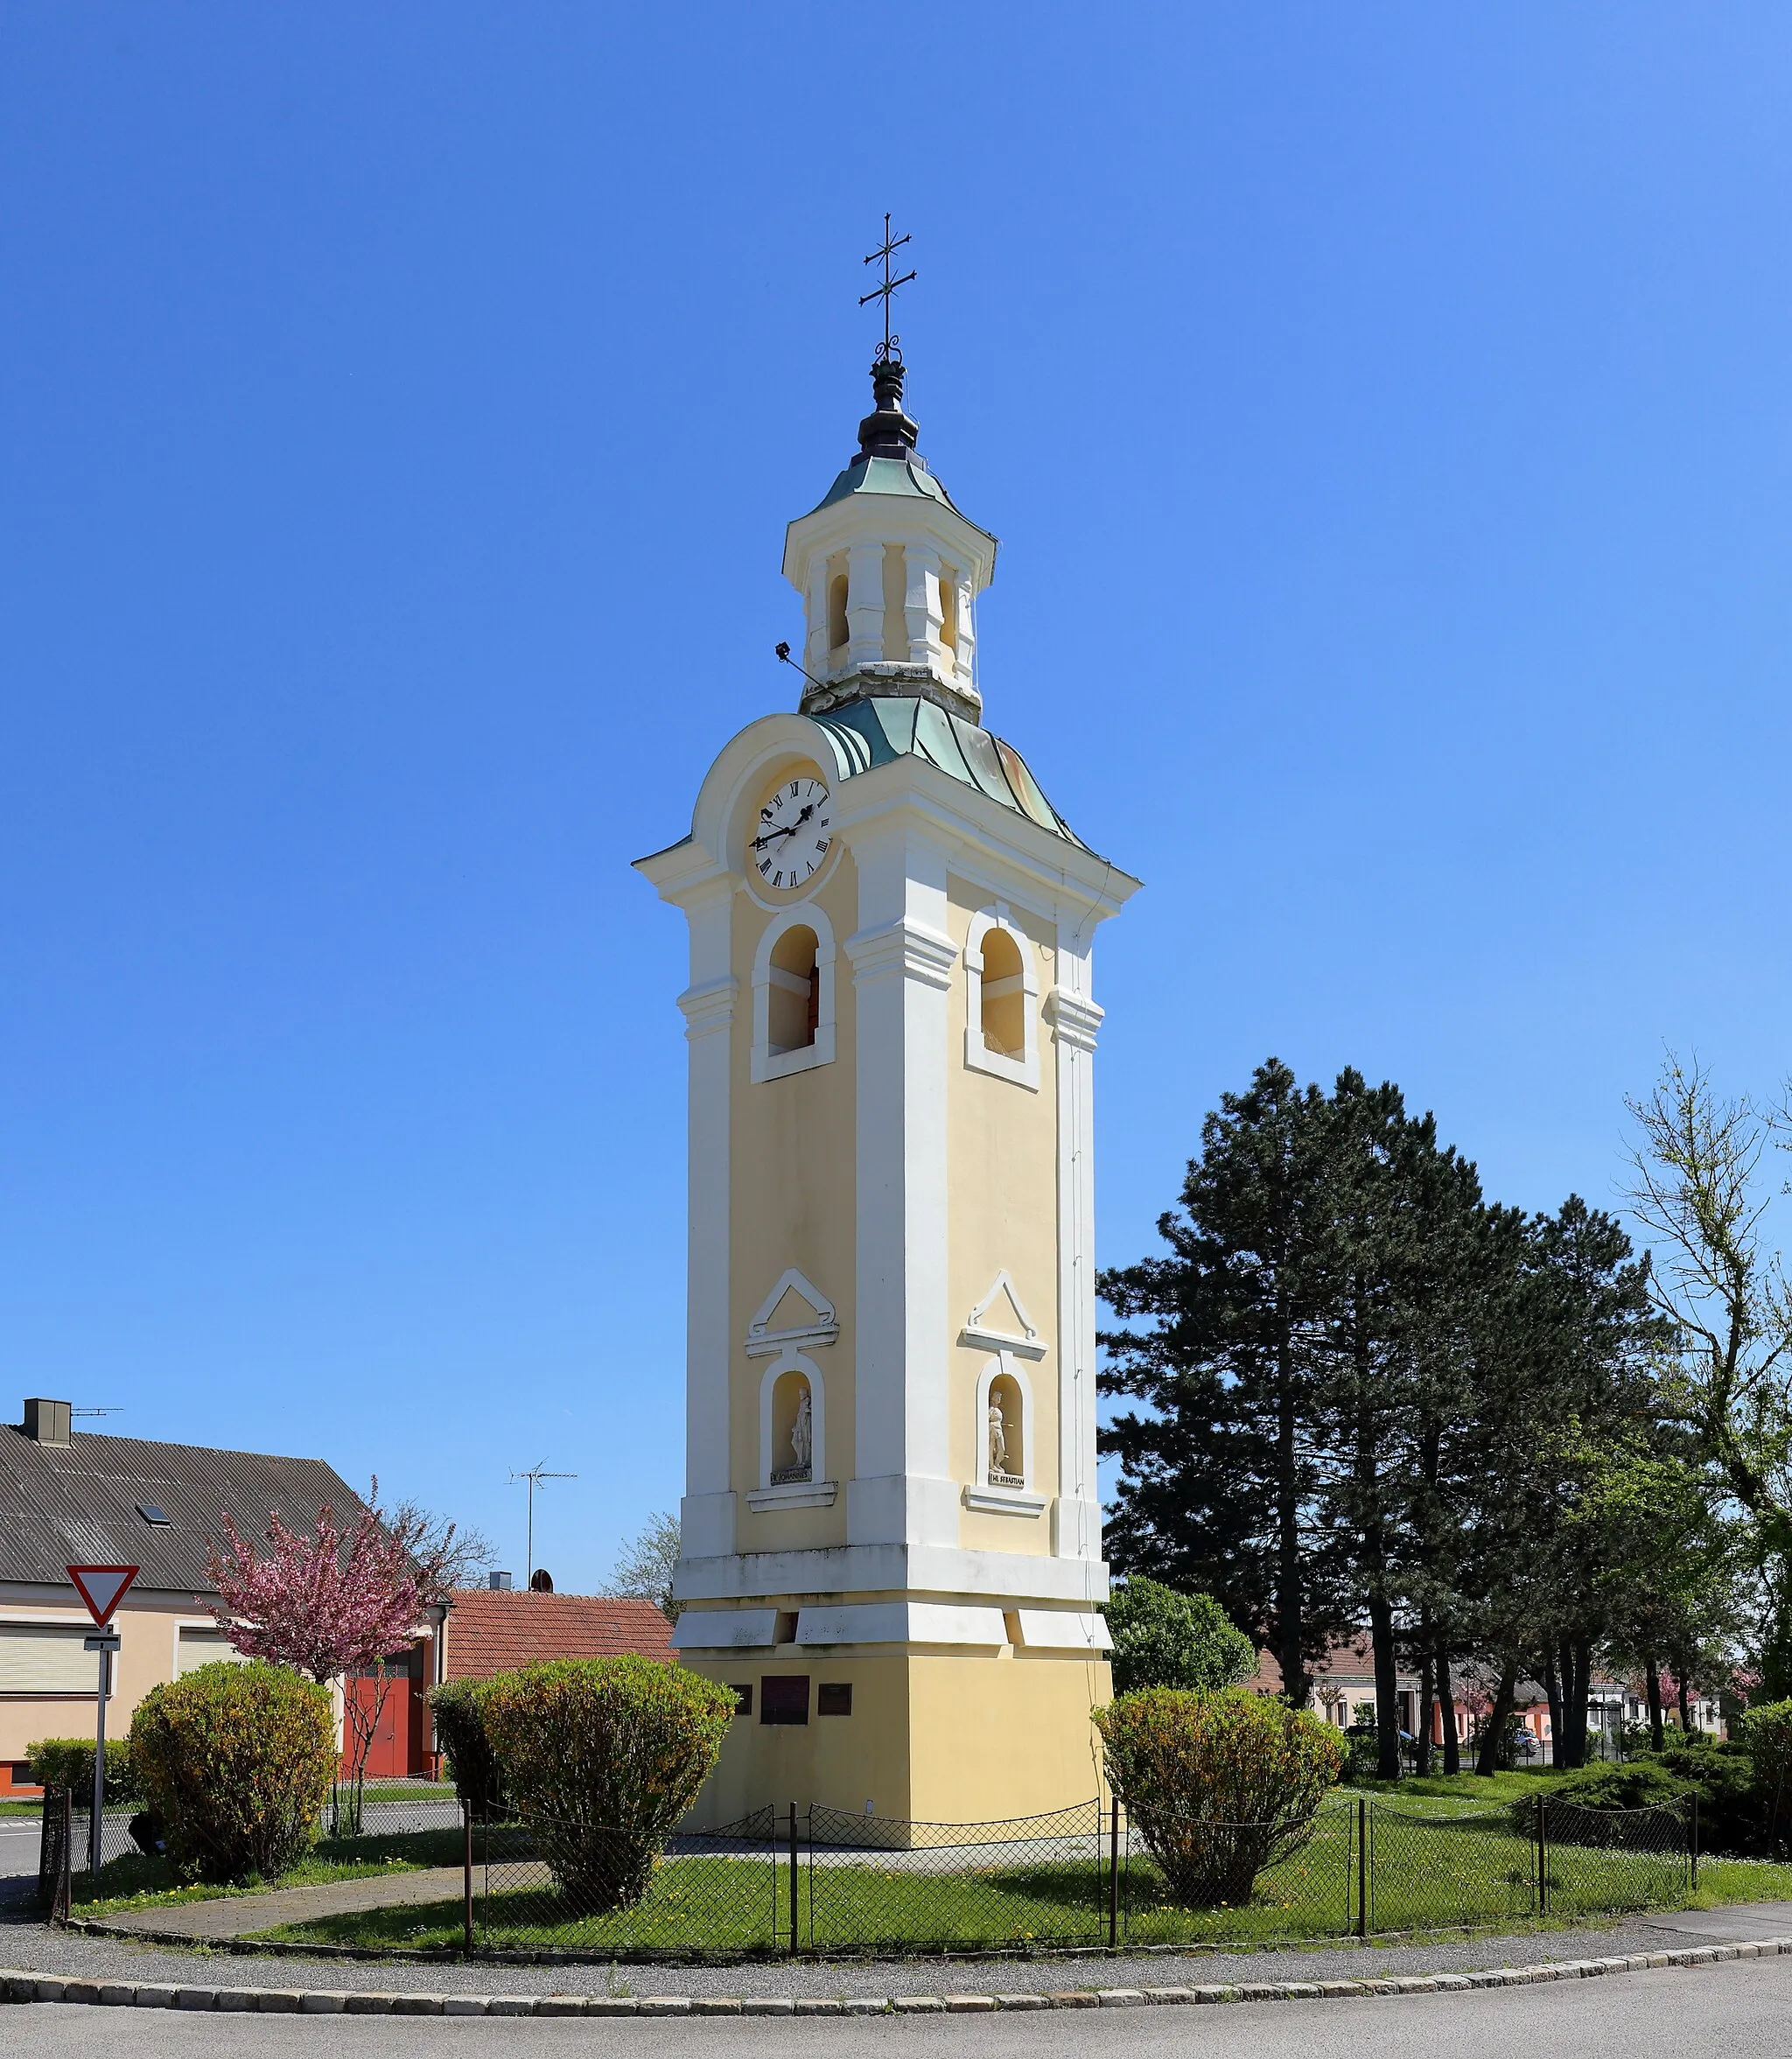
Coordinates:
x,y
34,1947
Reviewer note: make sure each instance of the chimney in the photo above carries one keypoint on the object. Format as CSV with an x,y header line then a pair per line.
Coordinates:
x,y
46,1422
498,1582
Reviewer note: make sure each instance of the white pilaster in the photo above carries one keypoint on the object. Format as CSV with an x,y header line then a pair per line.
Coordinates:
x,y
708,1005
901,959
1075,1019
864,604
922,613
965,598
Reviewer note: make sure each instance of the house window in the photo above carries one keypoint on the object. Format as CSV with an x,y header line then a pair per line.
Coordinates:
x,y
792,994
743,1698
46,1658
784,1697
1002,992
833,1699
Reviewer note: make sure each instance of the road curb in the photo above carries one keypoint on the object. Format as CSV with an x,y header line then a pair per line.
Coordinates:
x,y
38,1987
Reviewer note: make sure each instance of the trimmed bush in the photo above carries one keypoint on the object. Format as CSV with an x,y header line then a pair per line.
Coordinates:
x,y
236,1761
473,1765
600,1758
68,1762
1734,1806
1220,1786
1165,1638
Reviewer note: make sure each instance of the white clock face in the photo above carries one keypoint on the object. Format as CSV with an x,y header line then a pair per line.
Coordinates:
x,y
793,834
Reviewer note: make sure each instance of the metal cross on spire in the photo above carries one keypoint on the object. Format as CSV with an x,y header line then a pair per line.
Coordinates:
x,y
889,350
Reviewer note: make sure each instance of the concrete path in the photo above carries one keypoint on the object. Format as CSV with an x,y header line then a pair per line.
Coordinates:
x,y
243,1915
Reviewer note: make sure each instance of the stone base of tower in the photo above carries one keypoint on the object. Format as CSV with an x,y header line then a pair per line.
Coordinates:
x,y
932,1737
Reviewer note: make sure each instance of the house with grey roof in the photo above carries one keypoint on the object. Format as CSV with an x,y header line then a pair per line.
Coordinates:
x,y
82,1497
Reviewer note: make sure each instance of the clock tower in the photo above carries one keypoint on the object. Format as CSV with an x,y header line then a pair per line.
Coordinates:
x,y
891,1539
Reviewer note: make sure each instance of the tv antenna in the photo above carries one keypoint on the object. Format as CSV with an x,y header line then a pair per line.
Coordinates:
x,y
534,1476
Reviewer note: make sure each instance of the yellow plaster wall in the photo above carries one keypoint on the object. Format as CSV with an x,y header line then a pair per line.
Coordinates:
x,y
791,1202
147,1634
933,1737
1002,1194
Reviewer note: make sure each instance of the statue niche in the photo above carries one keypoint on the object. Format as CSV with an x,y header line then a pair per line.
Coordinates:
x,y
793,1430
1006,1452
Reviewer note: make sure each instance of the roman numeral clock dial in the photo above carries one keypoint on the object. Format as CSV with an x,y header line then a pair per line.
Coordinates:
x,y
794,831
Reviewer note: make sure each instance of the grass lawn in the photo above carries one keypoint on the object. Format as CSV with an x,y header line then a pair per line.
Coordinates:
x,y
1431,1873
135,1881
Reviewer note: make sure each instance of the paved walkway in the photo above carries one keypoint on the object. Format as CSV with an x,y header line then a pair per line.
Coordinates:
x,y
243,1915
35,1946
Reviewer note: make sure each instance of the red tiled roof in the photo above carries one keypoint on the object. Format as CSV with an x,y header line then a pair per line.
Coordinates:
x,y
490,1631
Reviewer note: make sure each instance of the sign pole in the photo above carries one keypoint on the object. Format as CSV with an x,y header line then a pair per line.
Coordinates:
x,y
101,1588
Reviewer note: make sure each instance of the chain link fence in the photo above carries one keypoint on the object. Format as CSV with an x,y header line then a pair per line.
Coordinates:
x,y
834,1884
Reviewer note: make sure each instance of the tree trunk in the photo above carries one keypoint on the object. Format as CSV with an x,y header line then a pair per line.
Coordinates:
x,y
1290,1643
1685,1706
1552,1688
1381,1625
1652,1679
1578,1687
1422,1743
1446,1706
1487,1758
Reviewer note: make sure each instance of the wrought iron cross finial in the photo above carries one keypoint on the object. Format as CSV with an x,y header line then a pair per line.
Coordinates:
x,y
889,350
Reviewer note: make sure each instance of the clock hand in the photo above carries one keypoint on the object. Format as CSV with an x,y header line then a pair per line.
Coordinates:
x,y
771,835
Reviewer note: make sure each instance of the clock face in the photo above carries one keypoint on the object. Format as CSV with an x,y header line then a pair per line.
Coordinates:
x,y
793,834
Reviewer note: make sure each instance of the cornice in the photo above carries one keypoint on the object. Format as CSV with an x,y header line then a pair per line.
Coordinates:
x,y
1074,1019
911,948
709,1007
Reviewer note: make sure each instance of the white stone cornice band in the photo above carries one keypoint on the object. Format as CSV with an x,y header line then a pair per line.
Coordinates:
x,y
1074,1019
908,948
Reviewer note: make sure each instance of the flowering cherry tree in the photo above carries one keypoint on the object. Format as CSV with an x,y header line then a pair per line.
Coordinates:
x,y
335,1604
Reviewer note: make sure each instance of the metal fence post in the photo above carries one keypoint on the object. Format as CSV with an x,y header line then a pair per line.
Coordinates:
x,y
1693,1841
1543,1862
467,1874
1113,1871
795,1901
1363,1866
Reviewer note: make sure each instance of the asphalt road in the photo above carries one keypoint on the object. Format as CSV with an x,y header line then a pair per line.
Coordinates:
x,y
1741,2009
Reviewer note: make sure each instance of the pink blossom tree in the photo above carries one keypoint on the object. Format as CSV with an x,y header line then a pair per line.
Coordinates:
x,y
334,1605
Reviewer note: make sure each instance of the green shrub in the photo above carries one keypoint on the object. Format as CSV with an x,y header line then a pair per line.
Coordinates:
x,y
68,1762
601,1758
1220,1786
1766,1737
1733,1806
472,1766
1163,1638
236,1761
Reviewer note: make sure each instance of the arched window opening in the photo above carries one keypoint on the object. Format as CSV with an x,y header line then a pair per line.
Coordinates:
x,y
949,608
1005,1428
837,611
793,1004
1003,995
793,1430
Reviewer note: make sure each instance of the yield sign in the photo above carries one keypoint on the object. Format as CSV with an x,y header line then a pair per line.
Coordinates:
x,y
101,1588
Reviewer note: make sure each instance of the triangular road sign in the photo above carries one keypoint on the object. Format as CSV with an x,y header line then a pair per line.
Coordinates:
x,y
102,1587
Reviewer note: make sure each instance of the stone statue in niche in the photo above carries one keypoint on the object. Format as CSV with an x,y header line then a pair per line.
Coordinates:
x,y
998,1440
802,1435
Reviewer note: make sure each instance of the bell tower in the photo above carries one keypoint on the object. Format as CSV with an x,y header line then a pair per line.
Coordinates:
x,y
892,1539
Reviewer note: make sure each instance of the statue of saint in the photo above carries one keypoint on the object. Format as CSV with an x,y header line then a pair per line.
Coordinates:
x,y
802,1435
998,1440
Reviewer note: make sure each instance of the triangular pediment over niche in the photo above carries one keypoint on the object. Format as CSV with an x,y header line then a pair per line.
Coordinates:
x,y
795,1312
1000,1321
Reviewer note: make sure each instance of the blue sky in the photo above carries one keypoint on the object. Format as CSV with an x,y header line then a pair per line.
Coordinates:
x,y
1386,416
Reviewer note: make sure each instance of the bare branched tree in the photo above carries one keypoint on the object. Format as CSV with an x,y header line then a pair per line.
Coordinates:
x,y
1701,1194
459,1556
644,1566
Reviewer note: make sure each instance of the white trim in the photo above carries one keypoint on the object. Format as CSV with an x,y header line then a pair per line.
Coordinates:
x,y
1023,1069
792,1360
1077,1517
977,1333
1004,1363
893,1568
825,1329
793,1494
901,1622
770,1062
724,1630
1062,1629
1005,1500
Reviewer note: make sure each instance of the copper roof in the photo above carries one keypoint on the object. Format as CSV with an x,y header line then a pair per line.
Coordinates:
x,y
78,1504
489,1631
